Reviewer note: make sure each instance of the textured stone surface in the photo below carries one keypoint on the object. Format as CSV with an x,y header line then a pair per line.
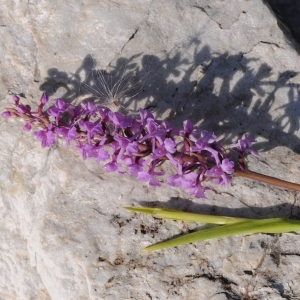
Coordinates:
x,y
224,64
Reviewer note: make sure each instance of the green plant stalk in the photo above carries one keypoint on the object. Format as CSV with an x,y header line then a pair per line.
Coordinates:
x,y
232,226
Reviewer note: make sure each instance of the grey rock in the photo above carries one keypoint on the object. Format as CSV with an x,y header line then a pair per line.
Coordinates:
x,y
225,65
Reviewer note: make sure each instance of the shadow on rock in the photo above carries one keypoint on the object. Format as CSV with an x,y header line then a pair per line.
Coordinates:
x,y
221,92
285,210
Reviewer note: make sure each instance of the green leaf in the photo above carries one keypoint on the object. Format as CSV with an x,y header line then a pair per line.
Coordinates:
x,y
185,216
275,225
228,226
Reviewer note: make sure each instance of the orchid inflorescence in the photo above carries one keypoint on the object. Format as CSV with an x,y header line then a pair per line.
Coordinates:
x,y
136,146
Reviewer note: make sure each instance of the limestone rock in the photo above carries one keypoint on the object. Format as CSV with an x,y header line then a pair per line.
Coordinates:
x,y
225,65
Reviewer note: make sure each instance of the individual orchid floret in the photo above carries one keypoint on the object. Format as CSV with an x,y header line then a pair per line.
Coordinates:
x,y
244,144
89,108
166,149
69,133
145,115
221,172
193,182
150,175
92,128
46,137
97,152
189,128
243,147
113,166
58,109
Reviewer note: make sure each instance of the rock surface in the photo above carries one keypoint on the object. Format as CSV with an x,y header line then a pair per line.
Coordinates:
x,y
225,65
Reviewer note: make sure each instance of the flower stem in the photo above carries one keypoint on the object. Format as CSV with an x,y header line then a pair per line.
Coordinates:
x,y
267,179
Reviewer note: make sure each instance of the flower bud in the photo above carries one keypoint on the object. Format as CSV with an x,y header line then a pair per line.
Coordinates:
x,y
16,99
27,127
6,114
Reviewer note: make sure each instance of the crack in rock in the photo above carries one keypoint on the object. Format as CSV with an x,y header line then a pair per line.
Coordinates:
x,y
132,36
120,52
203,9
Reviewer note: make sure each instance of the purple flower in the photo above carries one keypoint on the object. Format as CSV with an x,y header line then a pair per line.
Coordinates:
x,y
137,147
23,109
127,122
16,99
205,142
205,139
27,127
192,181
170,145
119,120
44,99
89,107
135,165
166,149
68,133
84,149
154,132
6,114
199,191
98,153
169,129
132,148
75,112
220,171
244,144
189,128
92,128
104,113
58,109
122,145
103,155
176,180
145,115
112,166
46,137
150,176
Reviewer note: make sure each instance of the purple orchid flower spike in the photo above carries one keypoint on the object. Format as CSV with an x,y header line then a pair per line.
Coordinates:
x,y
135,146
